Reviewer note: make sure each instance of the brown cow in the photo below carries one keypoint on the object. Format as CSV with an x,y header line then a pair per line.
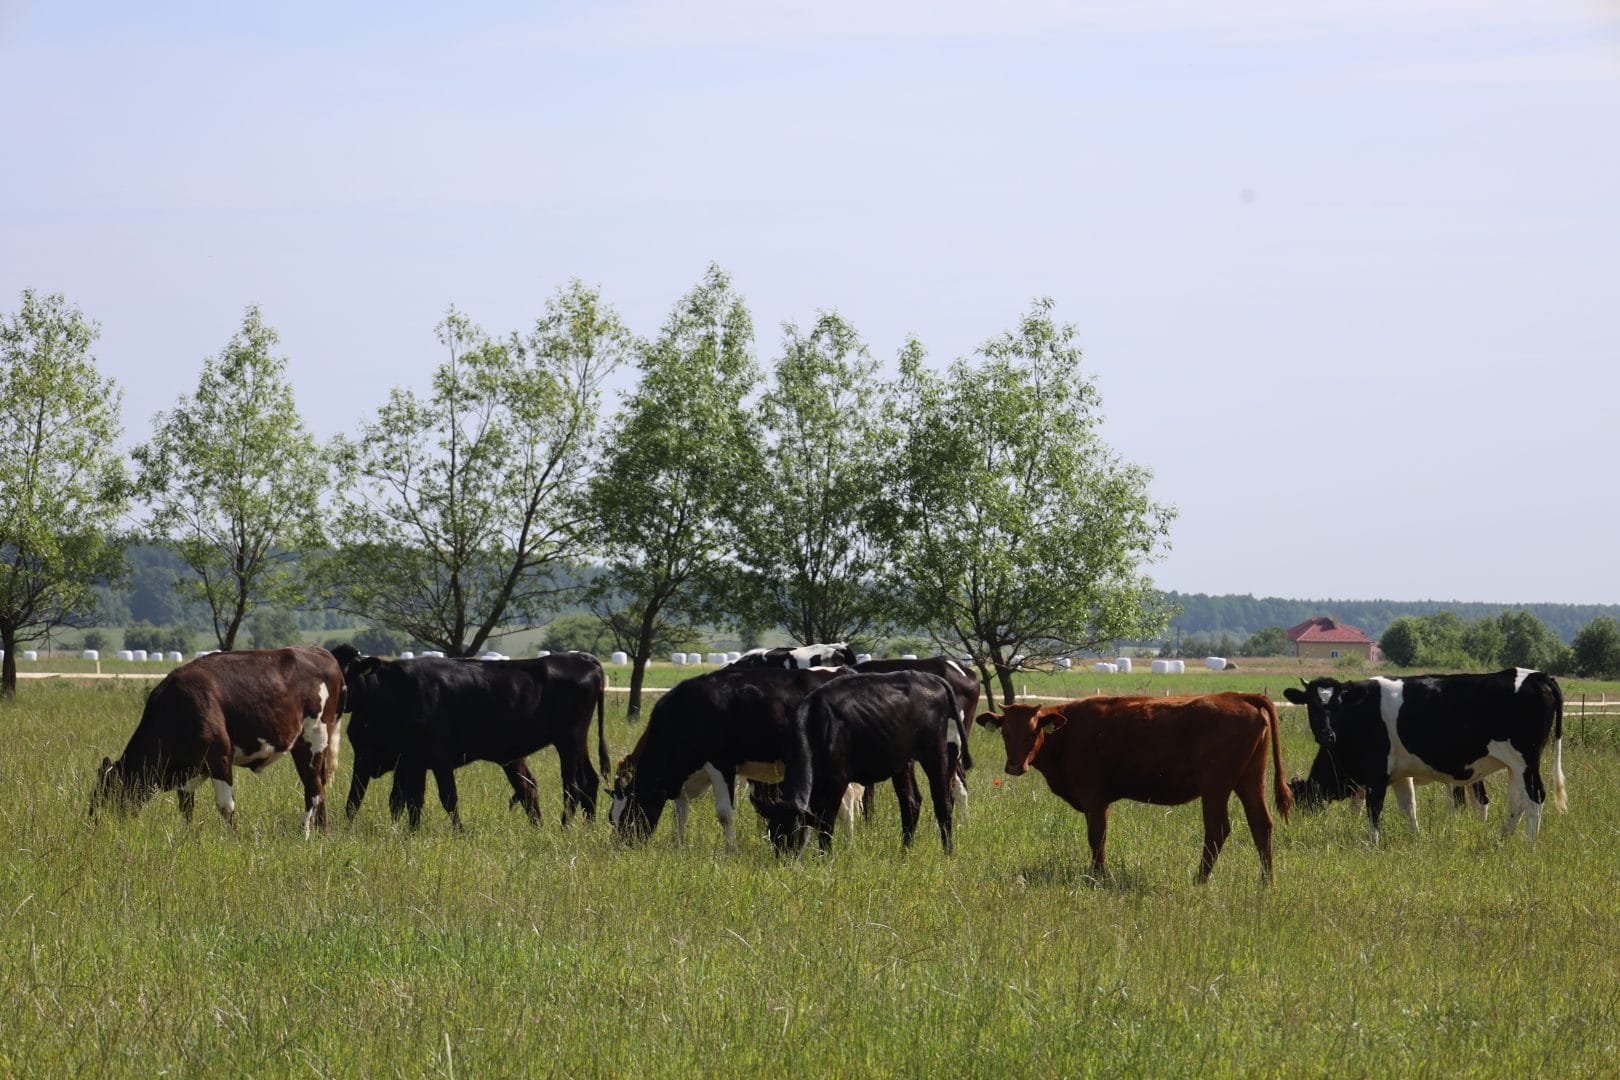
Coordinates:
x,y
1167,751
232,708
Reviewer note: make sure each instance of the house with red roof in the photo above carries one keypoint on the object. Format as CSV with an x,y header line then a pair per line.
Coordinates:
x,y
1324,638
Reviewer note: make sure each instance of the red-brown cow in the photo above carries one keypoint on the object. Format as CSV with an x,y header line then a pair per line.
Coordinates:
x,y
1167,751
232,708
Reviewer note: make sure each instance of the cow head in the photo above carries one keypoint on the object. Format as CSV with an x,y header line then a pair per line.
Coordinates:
x,y
634,811
1326,701
113,788
1024,729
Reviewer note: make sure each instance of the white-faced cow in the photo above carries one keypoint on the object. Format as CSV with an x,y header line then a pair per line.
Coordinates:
x,y
836,654
227,709
1166,751
1454,729
861,729
706,732
434,714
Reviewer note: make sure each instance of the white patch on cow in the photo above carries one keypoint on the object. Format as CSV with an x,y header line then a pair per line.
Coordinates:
x,y
833,667
1502,755
315,734
1560,798
337,740
224,798
1324,693
309,815
1519,675
265,754
194,783
953,733
954,666
722,804
959,793
616,809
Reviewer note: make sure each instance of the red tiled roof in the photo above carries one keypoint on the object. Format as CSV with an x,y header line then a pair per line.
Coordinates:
x,y
1323,629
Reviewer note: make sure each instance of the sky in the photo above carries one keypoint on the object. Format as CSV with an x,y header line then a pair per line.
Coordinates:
x,y
1347,274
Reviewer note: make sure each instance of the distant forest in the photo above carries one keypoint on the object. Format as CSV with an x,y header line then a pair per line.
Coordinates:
x,y
149,596
1206,618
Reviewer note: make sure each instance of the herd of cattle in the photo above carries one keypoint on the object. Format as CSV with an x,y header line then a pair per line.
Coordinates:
x,y
814,731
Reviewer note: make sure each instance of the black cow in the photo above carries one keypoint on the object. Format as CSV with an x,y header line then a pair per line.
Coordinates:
x,y
966,687
1447,728
861,729
437,713
837,654
226,709
709,730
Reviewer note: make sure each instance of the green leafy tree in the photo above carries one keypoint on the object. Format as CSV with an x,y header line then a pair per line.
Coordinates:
x,y
807,517
459,506
379,641
273,628
1021,531
1271,641
1596,649
661,503
1483,641
1526,641
582,633
62,484
1403,642
1444,641
235,482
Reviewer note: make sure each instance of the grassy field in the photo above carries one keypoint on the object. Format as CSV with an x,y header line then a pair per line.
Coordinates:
x,y
147,945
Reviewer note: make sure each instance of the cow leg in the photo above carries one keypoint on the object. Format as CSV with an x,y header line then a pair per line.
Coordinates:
x,y
573,793
188,795
1375,807
905,790
1217,827
724,783
445,780
939,790
1406,799
219,770
357,792
1481,800
854,799
525,792
409,792
1260,825
308,766
1097,837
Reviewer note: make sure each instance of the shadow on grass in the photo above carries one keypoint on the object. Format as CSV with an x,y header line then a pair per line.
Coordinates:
x,y
1074,875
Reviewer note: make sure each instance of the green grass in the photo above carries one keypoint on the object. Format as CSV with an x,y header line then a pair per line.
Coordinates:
x,y
147,945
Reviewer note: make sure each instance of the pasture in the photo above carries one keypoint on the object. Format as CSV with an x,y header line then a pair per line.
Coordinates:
x,y
149,945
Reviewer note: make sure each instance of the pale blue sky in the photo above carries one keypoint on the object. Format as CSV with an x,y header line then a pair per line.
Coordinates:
x,y
1349,280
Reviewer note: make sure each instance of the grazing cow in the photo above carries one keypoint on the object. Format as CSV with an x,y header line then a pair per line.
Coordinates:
x,y
1166,751
227,709
708,731
863,728
438,713
1325,784
966,687
837,654
1450,728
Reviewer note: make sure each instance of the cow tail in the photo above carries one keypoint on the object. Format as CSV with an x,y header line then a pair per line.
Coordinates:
x,y
961,727
1283,796
334,739
1560,796
601,735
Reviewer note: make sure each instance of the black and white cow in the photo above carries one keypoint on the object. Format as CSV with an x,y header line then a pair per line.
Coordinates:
x,y
798,656
1325,783
438,713
1447,728
861,729
966,687
705,732
229,709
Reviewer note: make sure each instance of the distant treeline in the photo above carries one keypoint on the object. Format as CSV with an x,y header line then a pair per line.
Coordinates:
x,y
1205,617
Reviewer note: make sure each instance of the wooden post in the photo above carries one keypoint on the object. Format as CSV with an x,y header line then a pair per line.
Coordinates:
x,y
1583,719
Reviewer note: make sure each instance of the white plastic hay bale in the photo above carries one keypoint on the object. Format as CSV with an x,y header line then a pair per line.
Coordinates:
x,y
1064,663
155,656
1178,667
407,656
619,657
677,658
1103,667
540,653
1124,663
204,652
126,654
433,654
30,654
716,658
175,657
1215,663
861,658
908,656
491,654
1018,660
137,654
733,656
91,654
1161,667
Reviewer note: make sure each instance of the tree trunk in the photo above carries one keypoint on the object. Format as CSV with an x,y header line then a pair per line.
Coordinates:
x,y
1004,673
638,673
8,667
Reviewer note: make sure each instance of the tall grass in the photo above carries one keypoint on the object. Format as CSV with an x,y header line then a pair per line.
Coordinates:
x,y
148,945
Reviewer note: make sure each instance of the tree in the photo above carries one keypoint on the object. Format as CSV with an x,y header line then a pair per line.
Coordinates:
x,y
62,484
661,502
235,482
459,506
1526,641
1596,649
582,633
1021,532
807,517
273,628
1272,641
1403,641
